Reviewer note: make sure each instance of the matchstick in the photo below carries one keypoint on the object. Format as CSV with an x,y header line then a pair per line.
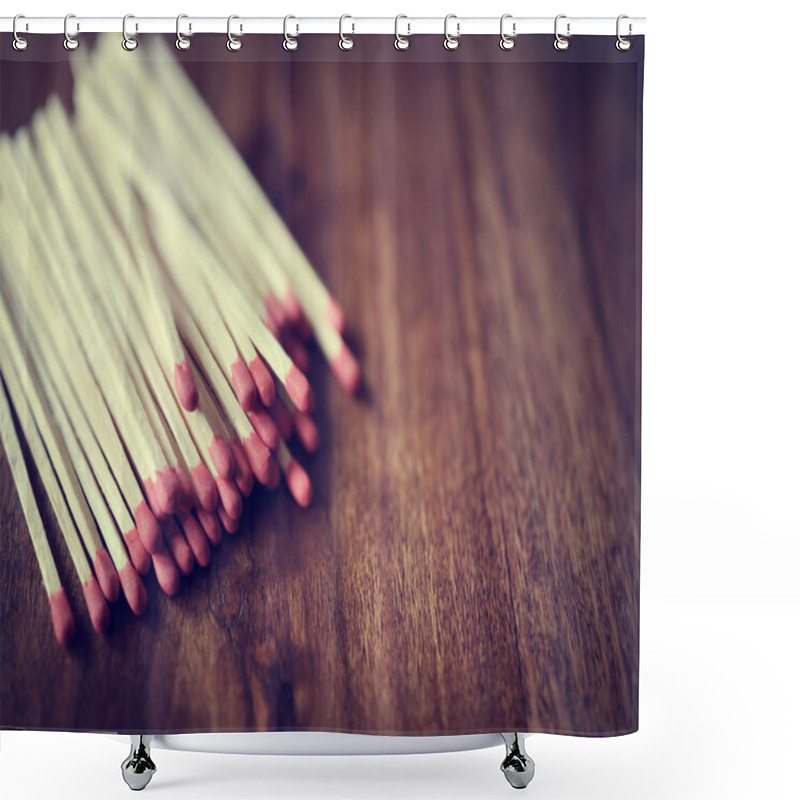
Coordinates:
x,y
302,423
296,477
178,546
210,524
60,612
196,538
283,419
244,475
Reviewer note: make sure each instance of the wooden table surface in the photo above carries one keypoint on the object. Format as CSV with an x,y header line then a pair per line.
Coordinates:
x,y
470,561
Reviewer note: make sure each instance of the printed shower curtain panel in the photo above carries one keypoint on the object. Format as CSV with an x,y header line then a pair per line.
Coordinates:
x,y
320,386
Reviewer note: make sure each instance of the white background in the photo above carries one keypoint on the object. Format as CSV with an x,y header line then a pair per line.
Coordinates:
x,y
721,440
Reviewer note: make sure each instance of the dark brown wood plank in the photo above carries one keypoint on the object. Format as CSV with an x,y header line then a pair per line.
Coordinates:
x,y
470,562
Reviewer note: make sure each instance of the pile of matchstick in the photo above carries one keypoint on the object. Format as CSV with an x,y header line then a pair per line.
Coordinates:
x,y
155,316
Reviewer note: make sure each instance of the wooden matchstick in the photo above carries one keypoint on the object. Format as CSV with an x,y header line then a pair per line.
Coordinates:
x,y
296,477
300,422
60,612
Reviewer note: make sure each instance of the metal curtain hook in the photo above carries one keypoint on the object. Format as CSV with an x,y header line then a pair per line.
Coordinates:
x,y
129,42
561,43
289,42
623,44
401,42
451,42
507,42
234,44
181,42
70,42
345,42
20,43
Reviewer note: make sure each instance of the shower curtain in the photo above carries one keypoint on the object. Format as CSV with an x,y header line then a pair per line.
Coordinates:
x,y
321,370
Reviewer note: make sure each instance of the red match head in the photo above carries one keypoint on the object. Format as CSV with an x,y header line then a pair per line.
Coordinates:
x,y
204,487
185,386
96,604
221,457
61,614
346,369
229,498
336,316
262,378
243,385
148,528
299,483
140,558
210,524
133,589
196,539
167,575
265,427
243,475
106,575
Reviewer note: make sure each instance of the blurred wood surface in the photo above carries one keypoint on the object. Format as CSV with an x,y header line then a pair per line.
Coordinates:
x,y
470,561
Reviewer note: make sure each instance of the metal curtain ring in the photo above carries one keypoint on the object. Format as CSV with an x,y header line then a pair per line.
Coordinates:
x,y
401,42
623,44
20,43
129,42
181,42
451,42
70,42
289,42
560,43
234,43
345,42
507,42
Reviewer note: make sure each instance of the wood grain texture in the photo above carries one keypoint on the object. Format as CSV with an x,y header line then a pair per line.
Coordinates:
x,y
471,559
